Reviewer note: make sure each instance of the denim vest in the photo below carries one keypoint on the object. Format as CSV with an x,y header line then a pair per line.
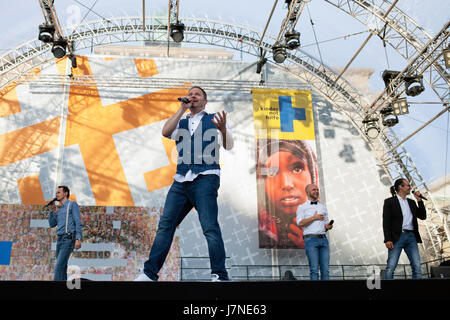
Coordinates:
x,y
200,151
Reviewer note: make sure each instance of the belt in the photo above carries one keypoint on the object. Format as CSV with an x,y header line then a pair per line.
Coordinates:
x,y
68,235
404,230
314,236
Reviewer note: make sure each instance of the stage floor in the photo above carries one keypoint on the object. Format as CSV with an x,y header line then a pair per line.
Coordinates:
x,y
426,289
227,300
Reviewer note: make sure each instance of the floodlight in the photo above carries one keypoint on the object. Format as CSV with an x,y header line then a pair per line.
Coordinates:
x,y
279,53
177,31
388,76
371,127
46,33
400,106
388,118
59,48
292,40
414,85
446,54
260,64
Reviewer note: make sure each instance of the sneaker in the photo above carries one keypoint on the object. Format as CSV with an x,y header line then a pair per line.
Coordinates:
x,y
215,278
143,277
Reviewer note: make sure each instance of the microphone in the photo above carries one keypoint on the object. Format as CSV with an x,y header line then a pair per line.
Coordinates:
x,y
330,223
184,100
420,196
51,202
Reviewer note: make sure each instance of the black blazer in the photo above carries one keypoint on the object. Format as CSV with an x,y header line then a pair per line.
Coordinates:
x,y
393,218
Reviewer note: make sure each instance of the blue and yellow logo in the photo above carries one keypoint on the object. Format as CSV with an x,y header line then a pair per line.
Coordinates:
x,y
283,114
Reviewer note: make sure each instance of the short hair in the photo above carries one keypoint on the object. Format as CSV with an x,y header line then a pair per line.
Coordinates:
x,y
308,187
201,89
65,190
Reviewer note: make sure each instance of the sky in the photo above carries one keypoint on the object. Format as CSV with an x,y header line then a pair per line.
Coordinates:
x,y
326,33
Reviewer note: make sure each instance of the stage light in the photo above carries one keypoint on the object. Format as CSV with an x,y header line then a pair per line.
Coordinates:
x,y
371,127
46,33
177,32
292,40
260,64
73,60
400,106
446,54
388,76
388,118
279,53
414,85
59,48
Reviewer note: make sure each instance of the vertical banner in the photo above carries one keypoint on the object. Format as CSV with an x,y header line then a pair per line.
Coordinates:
x,y
285,163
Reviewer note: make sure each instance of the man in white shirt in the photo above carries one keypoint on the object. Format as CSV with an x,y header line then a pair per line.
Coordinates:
x,y
312,216
198,137
400,227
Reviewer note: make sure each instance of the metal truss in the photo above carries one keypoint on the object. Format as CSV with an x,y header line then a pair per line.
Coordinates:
x,y
16,64
36,83
288,25
424,56
429,55
404,35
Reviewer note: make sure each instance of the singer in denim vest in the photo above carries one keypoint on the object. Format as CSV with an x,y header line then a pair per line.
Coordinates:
x,y
198,137
69,230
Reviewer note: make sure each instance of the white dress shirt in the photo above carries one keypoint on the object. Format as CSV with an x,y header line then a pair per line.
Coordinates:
x,y
407,214
307,210
193,122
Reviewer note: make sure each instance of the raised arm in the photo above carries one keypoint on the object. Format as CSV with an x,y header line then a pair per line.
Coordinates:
x,y
171,124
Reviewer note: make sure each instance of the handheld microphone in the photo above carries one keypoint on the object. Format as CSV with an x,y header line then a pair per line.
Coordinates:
x,y
184,100
420,196
51,202
330,223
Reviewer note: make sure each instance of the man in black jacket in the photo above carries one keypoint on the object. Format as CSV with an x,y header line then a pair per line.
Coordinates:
x,y
400,227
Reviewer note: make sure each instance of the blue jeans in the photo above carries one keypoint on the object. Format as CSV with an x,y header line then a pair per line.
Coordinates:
x,y
408,242
201,194
318,253
64,247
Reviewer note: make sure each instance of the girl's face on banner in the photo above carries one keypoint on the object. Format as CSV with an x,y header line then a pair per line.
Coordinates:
x,y
286,176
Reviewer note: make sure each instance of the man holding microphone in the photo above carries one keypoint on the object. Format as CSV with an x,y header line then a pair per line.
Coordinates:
x,y
198,138
67,219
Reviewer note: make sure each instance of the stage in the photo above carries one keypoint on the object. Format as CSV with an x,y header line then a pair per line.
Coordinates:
x,y
232,291
227,300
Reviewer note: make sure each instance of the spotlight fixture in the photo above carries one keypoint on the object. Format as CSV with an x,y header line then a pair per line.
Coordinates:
x,y
73,60
388,118
260,64
371,127
279,53
46,33
414,85
59,48
446,54
399,106
388,76
292,40
177,31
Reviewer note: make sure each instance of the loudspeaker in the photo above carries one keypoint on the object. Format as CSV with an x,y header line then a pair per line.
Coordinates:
x,y
440,272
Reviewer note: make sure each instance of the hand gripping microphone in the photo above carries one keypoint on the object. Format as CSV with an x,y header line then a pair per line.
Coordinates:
x,y
50,203
420,196
184,100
